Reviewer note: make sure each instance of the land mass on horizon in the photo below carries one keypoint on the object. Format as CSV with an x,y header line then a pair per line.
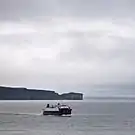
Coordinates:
x,y
11,93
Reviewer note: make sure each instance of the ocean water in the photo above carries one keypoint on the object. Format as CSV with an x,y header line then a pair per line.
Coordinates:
x,y
90,117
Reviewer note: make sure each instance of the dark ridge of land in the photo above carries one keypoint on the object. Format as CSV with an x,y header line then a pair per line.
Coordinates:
x,y
10,93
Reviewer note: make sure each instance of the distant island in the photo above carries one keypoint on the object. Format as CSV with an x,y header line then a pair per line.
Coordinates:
x,y
11,93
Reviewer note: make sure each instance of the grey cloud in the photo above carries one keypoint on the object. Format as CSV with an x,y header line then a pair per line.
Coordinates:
x,y
87,50
15,9
61,45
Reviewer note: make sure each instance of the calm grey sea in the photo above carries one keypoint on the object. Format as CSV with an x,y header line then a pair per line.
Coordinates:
x,y
99,117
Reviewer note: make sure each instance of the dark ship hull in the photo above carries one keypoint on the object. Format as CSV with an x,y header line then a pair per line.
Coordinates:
x,y
56,113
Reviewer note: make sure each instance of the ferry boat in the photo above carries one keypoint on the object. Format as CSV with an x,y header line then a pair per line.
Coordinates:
x,y
58,110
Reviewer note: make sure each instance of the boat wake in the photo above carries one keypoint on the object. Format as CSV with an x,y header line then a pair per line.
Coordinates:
x,y
27,114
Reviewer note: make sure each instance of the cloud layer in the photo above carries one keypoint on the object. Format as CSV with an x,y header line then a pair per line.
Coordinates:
x,y
67,46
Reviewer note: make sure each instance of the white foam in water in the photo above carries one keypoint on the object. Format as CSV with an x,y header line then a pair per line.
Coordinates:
x,y
12,113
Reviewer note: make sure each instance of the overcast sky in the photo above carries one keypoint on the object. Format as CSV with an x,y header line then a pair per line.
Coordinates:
x,y
68,45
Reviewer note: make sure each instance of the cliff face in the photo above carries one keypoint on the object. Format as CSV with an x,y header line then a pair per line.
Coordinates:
x,y
8,93
72,96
